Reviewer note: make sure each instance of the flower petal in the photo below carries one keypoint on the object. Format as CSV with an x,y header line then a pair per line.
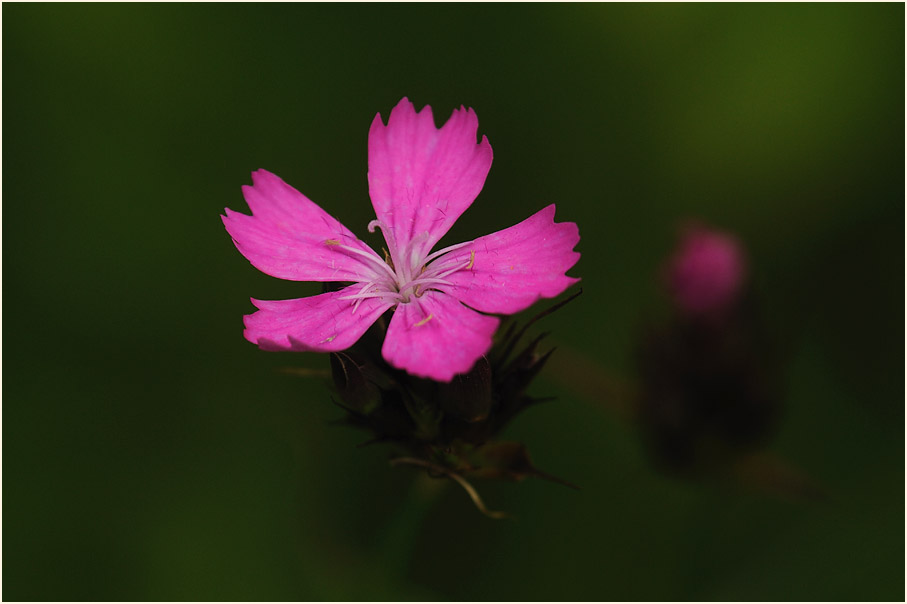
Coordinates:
x,y
516,266
421,179
322,323
288,236
436,337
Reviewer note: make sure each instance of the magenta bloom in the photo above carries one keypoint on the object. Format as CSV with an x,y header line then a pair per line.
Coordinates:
x,y
706,272
421,179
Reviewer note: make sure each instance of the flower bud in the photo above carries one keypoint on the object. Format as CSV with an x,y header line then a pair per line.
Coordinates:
x,y
707,271
707,392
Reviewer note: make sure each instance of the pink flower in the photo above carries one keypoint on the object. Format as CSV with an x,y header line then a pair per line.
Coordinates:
x,y
421,179
707,270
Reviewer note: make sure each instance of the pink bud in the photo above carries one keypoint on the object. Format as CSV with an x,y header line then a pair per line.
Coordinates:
x,y
706,272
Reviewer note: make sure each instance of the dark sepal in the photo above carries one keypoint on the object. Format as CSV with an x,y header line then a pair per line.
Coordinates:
x,y
512,381
355,390
512,336
390,421
503,460
425,414
468,397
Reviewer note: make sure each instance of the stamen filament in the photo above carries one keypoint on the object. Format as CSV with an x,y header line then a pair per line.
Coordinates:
x,y
441,272
409,275
374,294
364,287
399,268
371,257
423,281
451,248
410,254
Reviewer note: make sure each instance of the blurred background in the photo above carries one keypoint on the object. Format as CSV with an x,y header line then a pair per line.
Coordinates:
x,y
151,453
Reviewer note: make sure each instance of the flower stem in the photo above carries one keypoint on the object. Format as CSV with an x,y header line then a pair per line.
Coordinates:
x,y
470,490
397,541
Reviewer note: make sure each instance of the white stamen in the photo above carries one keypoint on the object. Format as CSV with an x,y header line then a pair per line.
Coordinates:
x,y
410,254
439,272
371,257
444,251
415,283
378,293
406,274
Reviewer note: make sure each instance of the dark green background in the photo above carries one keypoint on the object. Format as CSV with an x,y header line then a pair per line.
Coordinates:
x,y
150,453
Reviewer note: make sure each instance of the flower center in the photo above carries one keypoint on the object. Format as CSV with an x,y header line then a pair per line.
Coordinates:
x,y
405,273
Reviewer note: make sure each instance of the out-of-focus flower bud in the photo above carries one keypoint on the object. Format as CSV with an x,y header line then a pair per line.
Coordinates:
x,y
706,272
707,394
